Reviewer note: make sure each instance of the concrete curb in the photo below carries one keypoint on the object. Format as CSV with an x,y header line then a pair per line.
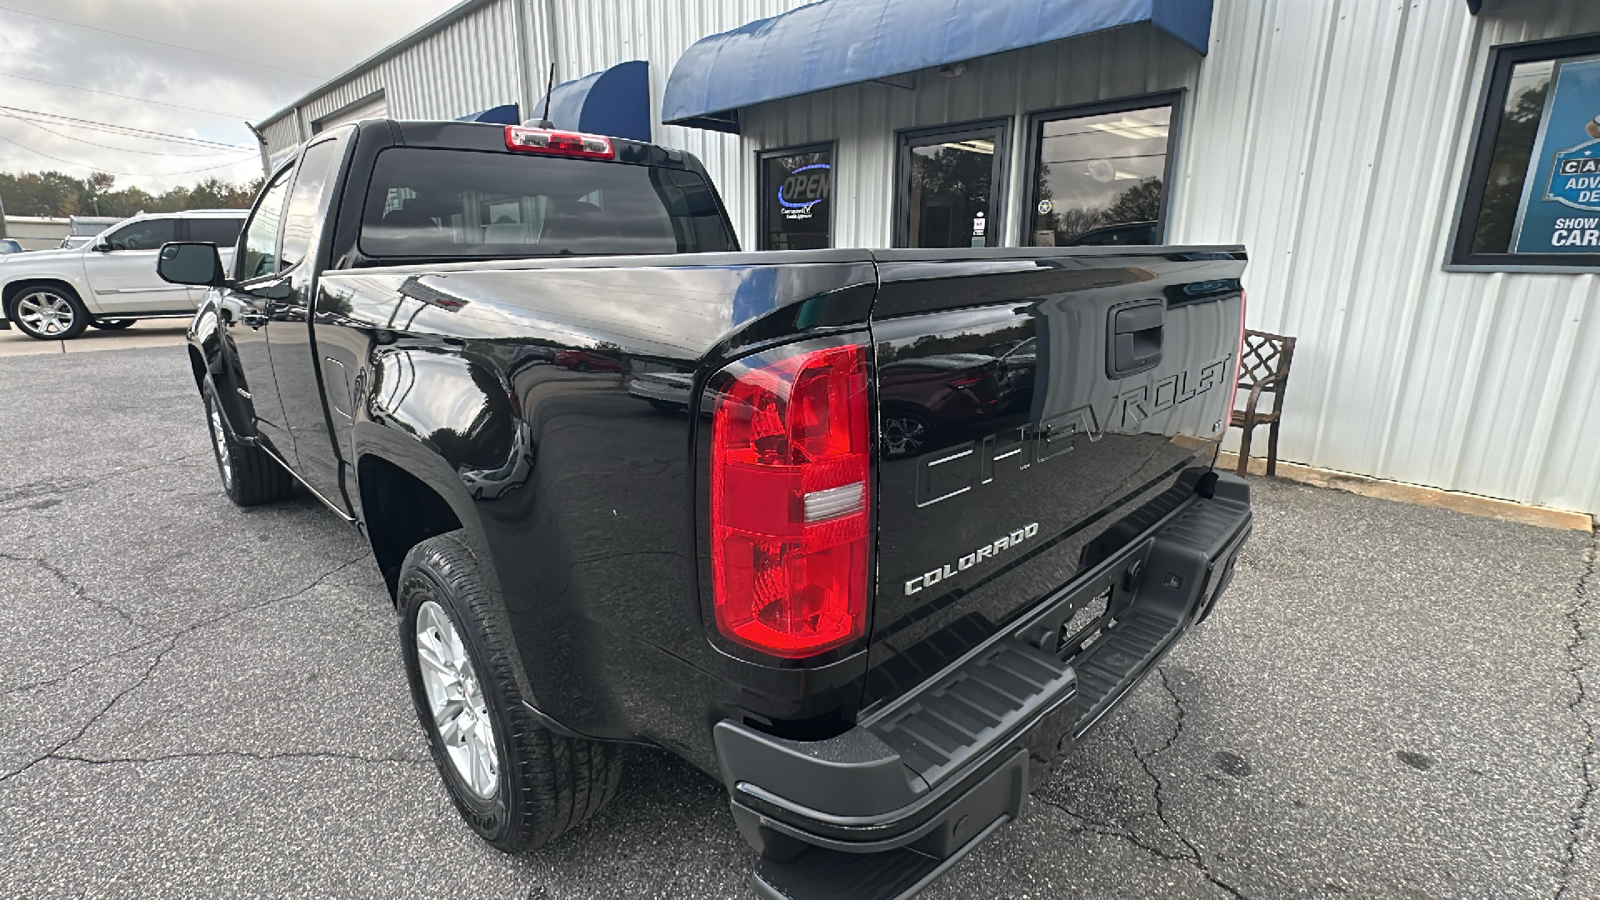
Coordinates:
x,y
1471,504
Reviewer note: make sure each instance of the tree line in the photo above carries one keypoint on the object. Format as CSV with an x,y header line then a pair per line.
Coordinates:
x,y
59,194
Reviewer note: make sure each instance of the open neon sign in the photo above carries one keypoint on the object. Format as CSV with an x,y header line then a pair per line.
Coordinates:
x,y
804,189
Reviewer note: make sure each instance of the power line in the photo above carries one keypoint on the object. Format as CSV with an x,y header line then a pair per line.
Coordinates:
x,y
126,129
92,168
135,37
74,87
73,137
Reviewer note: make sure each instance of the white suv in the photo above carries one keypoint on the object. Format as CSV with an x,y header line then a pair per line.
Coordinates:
x,y
54,295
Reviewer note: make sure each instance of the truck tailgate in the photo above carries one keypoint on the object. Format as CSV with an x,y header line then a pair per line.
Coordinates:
x,y
1038,411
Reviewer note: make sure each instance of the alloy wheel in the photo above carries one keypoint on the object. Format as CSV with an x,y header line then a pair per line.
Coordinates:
x,y
459,711
219,437
46,313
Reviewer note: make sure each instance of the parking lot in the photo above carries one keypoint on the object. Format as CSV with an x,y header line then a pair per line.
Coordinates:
x,y
200,701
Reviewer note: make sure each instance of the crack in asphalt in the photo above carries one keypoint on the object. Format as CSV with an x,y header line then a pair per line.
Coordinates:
x,y
55,487
172,641
1580,699
1193,856
77,588
239,754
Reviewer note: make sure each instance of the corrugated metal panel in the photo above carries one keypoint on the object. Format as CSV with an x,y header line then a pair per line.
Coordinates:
x,y
1330,138
469,65
597,35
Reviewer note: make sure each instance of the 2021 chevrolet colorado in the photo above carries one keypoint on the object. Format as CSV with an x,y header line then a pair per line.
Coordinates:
x,y
869,536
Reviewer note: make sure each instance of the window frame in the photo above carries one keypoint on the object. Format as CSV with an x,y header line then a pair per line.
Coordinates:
x,y
287,173
830,147
319,213
1485,131
1037,119
1000,175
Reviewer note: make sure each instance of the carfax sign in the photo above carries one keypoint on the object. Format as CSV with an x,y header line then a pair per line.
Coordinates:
x,y
1560,210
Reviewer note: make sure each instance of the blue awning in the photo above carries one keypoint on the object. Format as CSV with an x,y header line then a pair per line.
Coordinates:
x,y
613,102
838,42
500,115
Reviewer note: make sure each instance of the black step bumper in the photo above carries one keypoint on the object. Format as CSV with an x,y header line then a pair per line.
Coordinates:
x,y
880,811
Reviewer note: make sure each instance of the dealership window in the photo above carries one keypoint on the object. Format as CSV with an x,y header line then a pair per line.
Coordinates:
x,y
951,183
1100,175
797,198
1532,194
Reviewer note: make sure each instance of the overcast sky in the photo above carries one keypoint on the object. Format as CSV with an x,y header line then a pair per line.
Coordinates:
x,y
299,44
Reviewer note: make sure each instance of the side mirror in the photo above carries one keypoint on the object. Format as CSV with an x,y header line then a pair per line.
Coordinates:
x,y
100,247
190,263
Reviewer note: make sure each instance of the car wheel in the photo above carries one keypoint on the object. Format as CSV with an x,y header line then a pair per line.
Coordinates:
x,y
49,313
113,324
903,434
250,476
518,784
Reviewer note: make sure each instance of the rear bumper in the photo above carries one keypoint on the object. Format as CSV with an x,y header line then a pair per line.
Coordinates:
x,y
884,808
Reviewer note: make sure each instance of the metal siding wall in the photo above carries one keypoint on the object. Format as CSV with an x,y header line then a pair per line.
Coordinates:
x,y
598,34
470,65
1330,138
864,118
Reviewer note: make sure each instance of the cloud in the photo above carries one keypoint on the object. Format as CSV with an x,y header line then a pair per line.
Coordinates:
x,y
315,37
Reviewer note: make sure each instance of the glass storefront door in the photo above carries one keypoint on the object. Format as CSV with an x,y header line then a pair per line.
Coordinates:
x,y
951,183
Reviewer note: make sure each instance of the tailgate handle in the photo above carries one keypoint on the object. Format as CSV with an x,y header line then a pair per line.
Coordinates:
x,y
1133,341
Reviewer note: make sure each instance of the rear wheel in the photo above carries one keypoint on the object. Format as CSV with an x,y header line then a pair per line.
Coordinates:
x,y
518,784
250,477
113,324
49,313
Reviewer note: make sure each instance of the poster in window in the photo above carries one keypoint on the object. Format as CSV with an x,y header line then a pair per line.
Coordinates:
x,y
796,191
1560,210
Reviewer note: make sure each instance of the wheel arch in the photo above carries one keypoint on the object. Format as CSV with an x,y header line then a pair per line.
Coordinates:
x,y
401,508
12,289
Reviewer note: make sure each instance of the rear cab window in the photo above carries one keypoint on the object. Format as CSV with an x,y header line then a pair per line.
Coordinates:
x,y
426,202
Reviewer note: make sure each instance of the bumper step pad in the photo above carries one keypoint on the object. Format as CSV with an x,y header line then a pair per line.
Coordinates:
x,y
988,696
1115,663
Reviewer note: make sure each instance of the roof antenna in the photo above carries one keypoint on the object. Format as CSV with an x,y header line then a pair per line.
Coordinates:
x,y
549,88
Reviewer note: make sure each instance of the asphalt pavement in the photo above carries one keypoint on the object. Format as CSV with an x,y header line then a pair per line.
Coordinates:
x,y
198,701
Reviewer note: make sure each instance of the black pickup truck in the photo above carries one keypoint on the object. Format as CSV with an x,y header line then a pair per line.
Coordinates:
x,y
868,536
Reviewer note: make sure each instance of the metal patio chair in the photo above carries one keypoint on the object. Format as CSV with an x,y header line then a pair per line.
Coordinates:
x,y
1263,369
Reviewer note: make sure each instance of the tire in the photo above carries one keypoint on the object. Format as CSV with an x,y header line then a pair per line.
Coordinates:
x,y
113,324
49,312
250,477
518,784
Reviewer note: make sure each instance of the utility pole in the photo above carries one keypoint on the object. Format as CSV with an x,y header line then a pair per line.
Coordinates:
x,y
2,217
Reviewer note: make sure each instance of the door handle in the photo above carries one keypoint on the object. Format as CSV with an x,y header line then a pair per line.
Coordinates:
x,y
1134,337
253,319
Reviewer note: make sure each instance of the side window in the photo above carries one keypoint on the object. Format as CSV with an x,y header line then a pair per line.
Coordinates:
x,y
147,235
260,255
222,232
305,202
1100,177
1533,191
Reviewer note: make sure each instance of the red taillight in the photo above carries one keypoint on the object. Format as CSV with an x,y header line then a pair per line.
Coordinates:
x,y
558,143
789,499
